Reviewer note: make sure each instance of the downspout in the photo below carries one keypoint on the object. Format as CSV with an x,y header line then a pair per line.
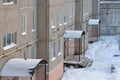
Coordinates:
x,y
84,45
99,29
64,47
79,49
47,28
45,72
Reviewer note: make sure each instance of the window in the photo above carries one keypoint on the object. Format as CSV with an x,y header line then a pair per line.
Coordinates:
x,y
65,20
60,17
70,11
85,8
33,52
9,40
53,51
53,19
60,46
24,24
73,10
8,2
34,20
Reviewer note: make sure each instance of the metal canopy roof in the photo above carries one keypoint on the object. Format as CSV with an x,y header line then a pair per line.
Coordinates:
x,y
20,67
73,33
93,21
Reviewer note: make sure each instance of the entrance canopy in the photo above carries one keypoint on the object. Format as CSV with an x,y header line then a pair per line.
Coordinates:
x,y
18,67
73,33
93,21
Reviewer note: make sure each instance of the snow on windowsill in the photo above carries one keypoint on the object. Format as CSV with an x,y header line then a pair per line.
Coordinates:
x,y
33,30
65,23
60,24
53,27
10,46
8,3
59,53
53,58
24,33
85,14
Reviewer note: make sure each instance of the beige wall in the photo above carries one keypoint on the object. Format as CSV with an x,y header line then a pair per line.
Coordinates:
x,y
48,35
83,14
10,22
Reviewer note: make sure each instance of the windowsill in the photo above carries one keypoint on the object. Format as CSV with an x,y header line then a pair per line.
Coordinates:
x,y
59,53
8,3
24,33
10,46
60,24
65,23
53,27
53,59
33,30
85,14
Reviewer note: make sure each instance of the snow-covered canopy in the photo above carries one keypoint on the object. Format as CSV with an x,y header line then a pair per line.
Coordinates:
x,y
19,67
93,21
73,33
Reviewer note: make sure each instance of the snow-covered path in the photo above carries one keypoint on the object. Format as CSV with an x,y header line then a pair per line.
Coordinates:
x,y
102,53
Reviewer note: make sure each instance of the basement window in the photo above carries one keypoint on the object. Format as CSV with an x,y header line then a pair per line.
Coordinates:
x,y
8,2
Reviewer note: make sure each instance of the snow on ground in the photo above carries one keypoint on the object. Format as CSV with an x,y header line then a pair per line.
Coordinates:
x,y
105,55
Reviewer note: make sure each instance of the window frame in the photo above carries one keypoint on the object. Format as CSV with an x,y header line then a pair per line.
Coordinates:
x,y
24,24
9,37
53,55
34,52
60,46
34,21
53,19
60,17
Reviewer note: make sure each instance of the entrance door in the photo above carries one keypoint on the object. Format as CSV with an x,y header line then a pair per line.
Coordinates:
x,y
66,48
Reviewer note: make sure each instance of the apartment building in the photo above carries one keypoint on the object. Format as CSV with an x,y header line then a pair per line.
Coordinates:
x,y
54,17
33,29
83,15
18,31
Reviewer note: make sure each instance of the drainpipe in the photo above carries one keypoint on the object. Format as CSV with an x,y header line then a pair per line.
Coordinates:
x,y
99,28
45,72
64,48
79,49
84,45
